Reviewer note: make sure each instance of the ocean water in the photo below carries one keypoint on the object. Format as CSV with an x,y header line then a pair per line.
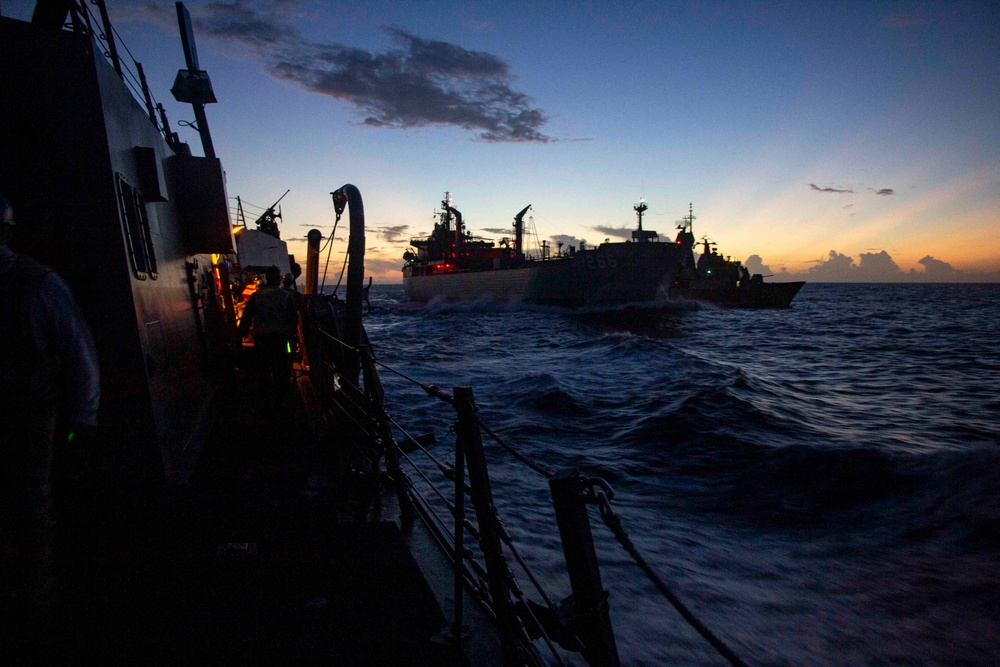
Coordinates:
x,y
819,484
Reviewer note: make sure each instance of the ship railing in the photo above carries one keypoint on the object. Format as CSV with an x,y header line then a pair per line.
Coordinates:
x,y
472,535
581,622
83,20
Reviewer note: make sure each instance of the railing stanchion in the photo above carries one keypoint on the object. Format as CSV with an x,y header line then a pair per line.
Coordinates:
x,y
457,632
373,387
471,439
590,600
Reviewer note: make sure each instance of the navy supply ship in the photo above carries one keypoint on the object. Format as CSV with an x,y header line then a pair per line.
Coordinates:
x,y
723,281
453,265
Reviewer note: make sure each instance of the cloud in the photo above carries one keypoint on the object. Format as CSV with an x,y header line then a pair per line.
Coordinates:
x,y
386,269
418,83
507,231
884,191
936,269
848,206
566,239
835,268
876,267
616,232
756,265
819,189
390,234
838,267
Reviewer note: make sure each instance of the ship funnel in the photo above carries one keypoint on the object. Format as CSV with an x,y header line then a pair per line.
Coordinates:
x,y
519,232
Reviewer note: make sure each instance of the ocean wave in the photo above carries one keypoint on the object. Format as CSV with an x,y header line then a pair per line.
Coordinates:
x,y
541,392
950,496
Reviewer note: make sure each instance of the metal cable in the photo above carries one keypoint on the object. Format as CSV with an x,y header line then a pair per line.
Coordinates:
x,y
547,474
337,340
614,523
548,642
504,535
430,389
440,530
443,467
524,567
448,503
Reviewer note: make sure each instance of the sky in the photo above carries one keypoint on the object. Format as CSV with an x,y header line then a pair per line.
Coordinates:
x,y
820,141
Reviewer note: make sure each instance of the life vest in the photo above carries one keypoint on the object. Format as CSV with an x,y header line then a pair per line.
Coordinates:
x,y
270,315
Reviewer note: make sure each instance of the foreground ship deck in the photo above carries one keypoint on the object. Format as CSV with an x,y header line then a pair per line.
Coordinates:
x,y
267,555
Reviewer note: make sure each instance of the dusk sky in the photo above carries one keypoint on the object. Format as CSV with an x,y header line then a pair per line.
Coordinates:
x,y
836,140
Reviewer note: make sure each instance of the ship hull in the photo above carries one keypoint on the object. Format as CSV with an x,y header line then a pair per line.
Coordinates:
x,y
613,273
766,295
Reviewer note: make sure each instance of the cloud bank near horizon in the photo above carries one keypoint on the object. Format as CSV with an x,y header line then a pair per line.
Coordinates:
x,y
875,267
614,232
418,83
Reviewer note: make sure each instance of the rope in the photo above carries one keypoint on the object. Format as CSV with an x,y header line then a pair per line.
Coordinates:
x,y
328,253
614,523
343,268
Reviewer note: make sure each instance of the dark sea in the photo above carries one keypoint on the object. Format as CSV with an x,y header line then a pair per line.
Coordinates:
x,y
820,485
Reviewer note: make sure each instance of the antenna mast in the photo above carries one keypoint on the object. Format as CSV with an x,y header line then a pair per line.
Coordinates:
x,y
192,85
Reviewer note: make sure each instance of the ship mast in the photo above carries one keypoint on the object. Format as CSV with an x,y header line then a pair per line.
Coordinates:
x,y
640,234
192,85
450,211
639,209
